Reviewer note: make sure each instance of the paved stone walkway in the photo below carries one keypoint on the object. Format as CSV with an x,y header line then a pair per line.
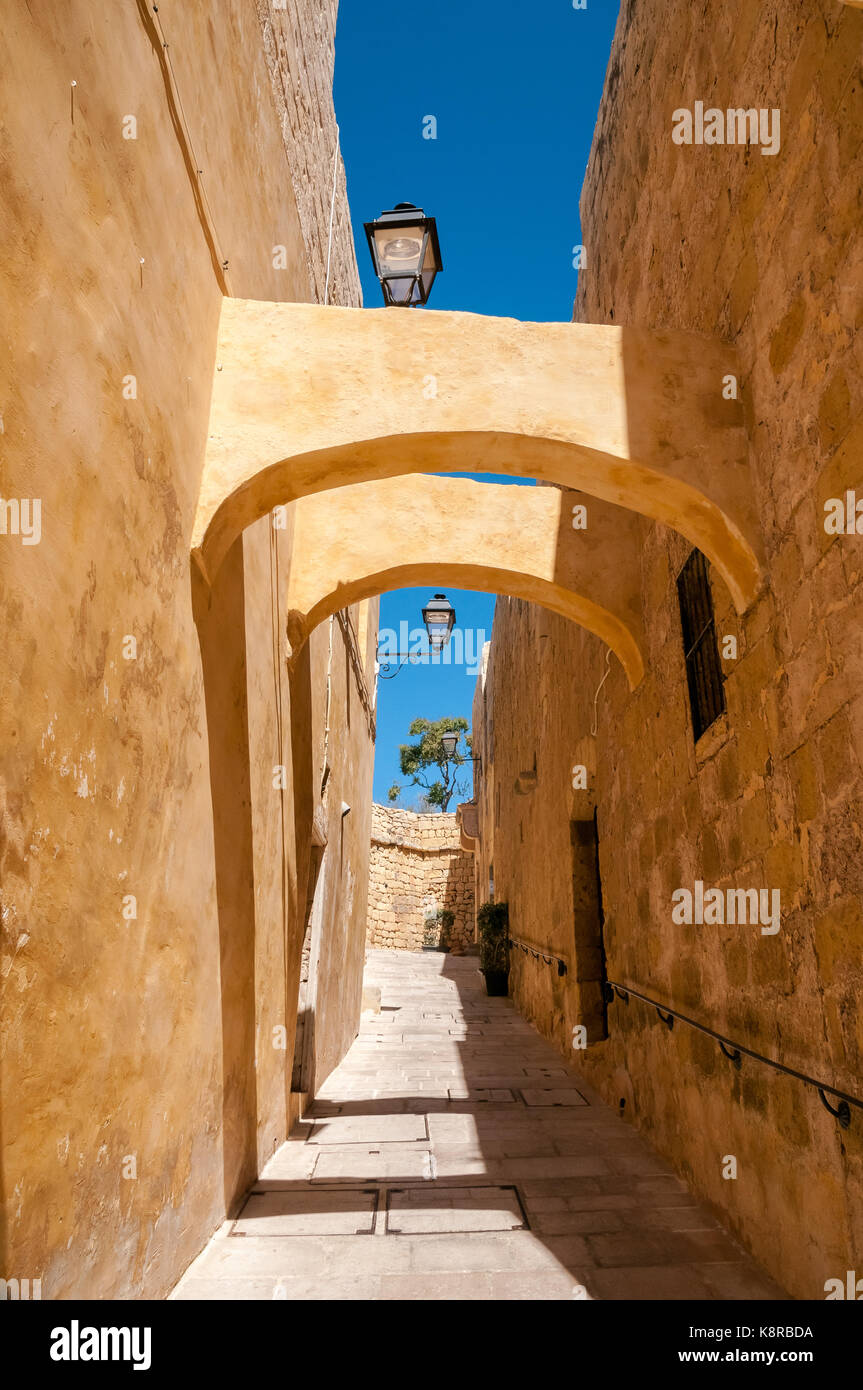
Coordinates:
x,y
453,1155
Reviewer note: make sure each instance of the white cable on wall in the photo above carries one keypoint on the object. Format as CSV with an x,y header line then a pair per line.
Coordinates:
x,y
596,696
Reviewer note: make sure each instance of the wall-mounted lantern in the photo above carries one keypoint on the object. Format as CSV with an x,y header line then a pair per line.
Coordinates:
x,y
449,742
439,619
405,254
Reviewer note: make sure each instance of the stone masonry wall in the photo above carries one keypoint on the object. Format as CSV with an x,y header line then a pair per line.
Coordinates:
x,y
299,44
764,251
417,867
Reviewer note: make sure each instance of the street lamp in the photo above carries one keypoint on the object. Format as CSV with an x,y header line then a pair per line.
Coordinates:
x,y
449,741
439,619
405,253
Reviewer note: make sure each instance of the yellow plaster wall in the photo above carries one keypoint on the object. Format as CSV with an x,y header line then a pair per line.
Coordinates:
x,y
137,1038
312,398
371,537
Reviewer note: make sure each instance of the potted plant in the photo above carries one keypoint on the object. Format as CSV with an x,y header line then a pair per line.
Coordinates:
x,y
493,922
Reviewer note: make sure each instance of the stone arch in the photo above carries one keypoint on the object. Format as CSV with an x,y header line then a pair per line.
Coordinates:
x,y
365,539
309,398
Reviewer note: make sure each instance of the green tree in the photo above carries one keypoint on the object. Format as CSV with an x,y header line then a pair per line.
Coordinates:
x,y
419,760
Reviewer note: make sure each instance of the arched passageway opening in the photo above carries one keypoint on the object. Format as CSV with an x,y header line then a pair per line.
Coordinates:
x,y
330,425
309,399
575,555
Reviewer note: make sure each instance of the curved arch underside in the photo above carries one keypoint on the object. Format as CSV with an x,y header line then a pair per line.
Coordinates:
x,y
368,538
309,399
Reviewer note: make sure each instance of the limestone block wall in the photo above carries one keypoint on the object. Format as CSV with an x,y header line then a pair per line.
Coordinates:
x,y
417,866
765,251
299,43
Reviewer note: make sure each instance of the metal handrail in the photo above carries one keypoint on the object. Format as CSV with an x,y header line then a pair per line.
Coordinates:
x,y
842,1113
538,953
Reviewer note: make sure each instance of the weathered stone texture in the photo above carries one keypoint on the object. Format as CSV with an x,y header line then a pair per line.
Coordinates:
x,y
151,1036
299,43
767,252
417,868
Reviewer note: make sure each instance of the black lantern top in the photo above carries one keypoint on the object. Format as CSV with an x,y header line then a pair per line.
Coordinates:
x,y
439,618
405,253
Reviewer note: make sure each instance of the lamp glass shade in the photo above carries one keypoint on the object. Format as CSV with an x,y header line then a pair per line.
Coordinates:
x,y
405,254
439,618
449,742
400,251
430,267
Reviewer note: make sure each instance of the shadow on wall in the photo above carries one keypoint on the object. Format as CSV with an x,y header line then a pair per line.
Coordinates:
x,y
220,618
3,1219
303,1074
303,1069
307,846
459,900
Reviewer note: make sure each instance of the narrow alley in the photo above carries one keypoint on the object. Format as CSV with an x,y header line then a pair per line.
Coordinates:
x,y
456,1138
431,789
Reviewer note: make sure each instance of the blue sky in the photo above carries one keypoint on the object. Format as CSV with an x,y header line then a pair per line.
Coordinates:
x,y
515,91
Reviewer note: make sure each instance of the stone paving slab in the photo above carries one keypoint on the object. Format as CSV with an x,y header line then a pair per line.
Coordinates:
x,y
449,1125
368,1129
551,1097
373,1163
420,1211
309,1213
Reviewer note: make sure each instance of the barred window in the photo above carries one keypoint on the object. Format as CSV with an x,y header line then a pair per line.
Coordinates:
x,y
703,668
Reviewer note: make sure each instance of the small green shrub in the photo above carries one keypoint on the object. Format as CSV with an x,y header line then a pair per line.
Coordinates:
x,y
493,922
